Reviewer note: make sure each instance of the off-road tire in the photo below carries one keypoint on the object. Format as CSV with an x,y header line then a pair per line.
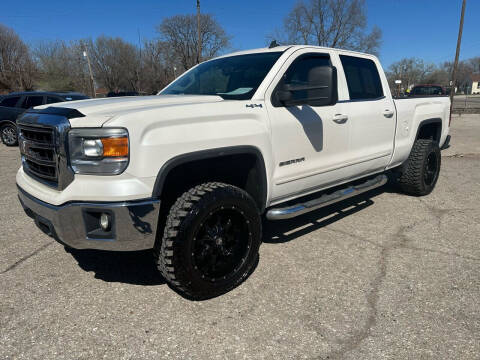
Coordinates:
x,y
174,252
5,140
413,180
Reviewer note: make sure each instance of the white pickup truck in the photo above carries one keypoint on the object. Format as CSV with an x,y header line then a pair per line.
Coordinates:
x,y
190,172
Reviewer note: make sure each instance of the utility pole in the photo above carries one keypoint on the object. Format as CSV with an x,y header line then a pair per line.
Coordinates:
x,y
92,81
199,50
457,54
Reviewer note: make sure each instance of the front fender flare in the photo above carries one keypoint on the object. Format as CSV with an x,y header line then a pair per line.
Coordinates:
x,y
214,153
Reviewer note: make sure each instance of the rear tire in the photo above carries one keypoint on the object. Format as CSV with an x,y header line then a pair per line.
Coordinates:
x,y
8,133
211,240
420,172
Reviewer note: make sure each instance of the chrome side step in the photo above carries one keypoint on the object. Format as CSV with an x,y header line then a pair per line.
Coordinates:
x,y
326,199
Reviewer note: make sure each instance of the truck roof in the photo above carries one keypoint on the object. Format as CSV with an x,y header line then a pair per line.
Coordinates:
x,y
283,48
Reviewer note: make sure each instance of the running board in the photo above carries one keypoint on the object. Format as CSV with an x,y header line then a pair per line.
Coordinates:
x,y
326,199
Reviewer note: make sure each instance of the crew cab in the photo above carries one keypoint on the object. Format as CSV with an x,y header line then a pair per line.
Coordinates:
x,y
192,172
14,104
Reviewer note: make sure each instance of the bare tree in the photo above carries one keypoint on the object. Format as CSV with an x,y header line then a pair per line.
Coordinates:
x,y
410,70
17,70
465,69
158,66
475,63
116,63
330,23
180,33
61,66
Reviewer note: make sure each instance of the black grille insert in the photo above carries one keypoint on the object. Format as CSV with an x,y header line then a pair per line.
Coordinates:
x,y
37,135
37,145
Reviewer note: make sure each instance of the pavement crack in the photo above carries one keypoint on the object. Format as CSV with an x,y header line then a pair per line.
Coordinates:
x,y
18,262
351,343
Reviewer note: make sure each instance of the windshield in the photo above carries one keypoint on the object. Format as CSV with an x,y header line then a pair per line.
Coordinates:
x,y
233,77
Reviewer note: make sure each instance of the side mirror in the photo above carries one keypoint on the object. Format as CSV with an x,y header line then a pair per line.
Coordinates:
x,y
320,89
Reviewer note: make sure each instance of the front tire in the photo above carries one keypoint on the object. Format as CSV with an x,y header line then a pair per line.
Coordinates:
x,y
211,240
8,133
421,171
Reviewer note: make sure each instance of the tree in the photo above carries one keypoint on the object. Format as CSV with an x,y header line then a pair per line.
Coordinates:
x,y
180,34
115,62
17,70
330,23
61,66
475,63
410,70
157,68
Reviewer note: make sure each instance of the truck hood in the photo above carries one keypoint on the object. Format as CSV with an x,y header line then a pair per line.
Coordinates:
x,y
99,111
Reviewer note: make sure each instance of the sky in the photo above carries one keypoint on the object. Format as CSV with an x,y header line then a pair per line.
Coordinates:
x,y
425,29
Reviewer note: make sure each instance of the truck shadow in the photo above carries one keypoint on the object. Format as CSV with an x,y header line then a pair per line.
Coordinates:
x,y
137,267
282,231
130,267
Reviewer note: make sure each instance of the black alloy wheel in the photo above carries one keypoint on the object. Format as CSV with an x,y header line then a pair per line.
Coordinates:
x,y
210,241
430,173
221,244
420,172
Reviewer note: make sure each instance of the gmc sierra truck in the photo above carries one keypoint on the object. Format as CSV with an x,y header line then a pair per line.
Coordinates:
x,y
190,172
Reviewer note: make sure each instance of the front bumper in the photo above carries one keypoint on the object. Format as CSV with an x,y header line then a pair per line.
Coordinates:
x,y
75,224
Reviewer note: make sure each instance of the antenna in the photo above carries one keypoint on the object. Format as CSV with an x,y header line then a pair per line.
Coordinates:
x,y
273,44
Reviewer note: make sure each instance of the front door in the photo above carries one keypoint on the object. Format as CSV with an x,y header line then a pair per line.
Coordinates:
x,y
309,142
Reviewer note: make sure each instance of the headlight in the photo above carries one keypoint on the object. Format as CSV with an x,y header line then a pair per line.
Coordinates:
x,y
102,151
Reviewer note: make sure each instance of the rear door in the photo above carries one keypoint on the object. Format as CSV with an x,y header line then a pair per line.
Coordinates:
x,y
370,111
31,101
9,108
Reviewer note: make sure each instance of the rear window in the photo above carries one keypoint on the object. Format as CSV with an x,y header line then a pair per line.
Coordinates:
x,y
362,76
32,101
10,101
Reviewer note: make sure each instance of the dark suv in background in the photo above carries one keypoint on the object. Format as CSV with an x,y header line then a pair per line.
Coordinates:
x,y
428,90
14,104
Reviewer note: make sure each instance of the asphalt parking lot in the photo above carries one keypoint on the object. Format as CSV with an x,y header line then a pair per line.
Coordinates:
x,y
383,276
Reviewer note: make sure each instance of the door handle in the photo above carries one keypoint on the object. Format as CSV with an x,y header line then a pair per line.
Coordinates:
x,y
340,118
388,113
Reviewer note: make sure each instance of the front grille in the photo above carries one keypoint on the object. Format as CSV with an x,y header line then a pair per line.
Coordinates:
x,y
39,158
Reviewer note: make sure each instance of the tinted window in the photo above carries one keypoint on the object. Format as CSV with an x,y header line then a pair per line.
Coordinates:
x,y
51,100
362,76
232,77
10,101
427,90
32,101
298,73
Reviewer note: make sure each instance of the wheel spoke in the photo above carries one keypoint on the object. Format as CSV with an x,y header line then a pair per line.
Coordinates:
x,y
222,244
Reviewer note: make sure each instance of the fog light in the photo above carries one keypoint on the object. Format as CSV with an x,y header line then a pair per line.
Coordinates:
x,y
105,222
